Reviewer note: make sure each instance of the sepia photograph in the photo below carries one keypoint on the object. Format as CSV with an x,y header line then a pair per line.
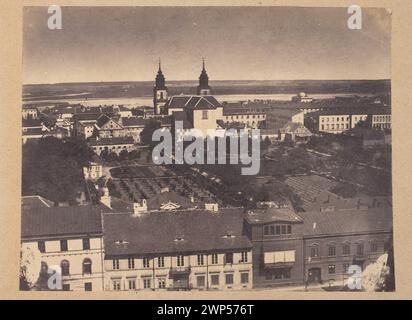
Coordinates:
x,y
206,149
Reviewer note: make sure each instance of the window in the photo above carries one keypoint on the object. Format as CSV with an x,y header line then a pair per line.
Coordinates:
x,y
331,269
200,260
277,229
180,261
332,250
229,258
116,264
289,229
87,266
66,287
146,283
88,286
374,246
86,244
116,284
65,266
346,249
146,263
63,245
279,257
283,229
132,284
42,246
314,252
161,262
130,263
204,114
161,283
244,277
345,267
215,258
200,280
229,278
243,256
359,249
214,279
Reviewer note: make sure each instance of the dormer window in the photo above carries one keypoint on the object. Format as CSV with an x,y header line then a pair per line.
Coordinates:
x,y
179,239
229,235
120,242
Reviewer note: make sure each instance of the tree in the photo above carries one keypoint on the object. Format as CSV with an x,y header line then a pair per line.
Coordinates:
x,y
30,266
123,155
147,132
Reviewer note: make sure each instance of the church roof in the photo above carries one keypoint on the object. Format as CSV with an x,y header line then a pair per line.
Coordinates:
x,y
192,102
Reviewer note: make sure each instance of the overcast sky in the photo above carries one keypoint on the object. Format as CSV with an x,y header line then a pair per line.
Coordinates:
x,y
253,43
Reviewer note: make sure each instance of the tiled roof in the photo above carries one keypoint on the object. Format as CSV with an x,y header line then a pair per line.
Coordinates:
x,y
134,122
346,221
103,119
87,116
31,123
157,233
359,110
33,132
192,102
260,216
28,202
111,141
60,221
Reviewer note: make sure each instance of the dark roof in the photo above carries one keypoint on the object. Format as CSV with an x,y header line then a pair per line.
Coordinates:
x,y
359,110
192,102
111,141
60,221
33,132
271,215
156,233
28,202
103,119
230,110
87,116
134,122
31,122
346,222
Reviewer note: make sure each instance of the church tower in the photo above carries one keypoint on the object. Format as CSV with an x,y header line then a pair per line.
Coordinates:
x,y
159,92
203,88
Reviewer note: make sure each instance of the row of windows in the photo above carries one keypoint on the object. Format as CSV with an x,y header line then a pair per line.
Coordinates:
x,y
346,249
278,229
65,267
180,261
200,281
63,245
332,119
382,118
245,117
333,127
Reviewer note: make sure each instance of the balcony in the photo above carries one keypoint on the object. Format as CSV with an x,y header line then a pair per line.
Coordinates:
x,y
177,271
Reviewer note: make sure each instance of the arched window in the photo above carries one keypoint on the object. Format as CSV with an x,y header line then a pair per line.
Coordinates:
x,y
65,266
87,266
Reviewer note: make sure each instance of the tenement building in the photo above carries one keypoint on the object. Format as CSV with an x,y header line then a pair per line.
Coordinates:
x,y
177,250
315,247
67,237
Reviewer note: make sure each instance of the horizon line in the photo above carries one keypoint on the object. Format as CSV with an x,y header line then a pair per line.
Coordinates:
x,y
196,80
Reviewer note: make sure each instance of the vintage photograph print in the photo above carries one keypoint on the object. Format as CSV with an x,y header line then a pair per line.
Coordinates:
x,y
206,148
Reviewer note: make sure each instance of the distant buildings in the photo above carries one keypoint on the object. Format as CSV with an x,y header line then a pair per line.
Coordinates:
x,y
339,120
115,144
169,243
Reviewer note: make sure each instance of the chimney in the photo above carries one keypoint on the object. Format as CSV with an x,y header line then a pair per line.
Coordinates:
x,y
105,198
165,189
214,207
139,209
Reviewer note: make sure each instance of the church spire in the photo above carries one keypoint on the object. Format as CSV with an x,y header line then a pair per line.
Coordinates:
x,y
203,87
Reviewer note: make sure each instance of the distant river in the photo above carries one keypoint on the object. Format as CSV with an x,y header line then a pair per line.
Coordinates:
x,y
147,101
